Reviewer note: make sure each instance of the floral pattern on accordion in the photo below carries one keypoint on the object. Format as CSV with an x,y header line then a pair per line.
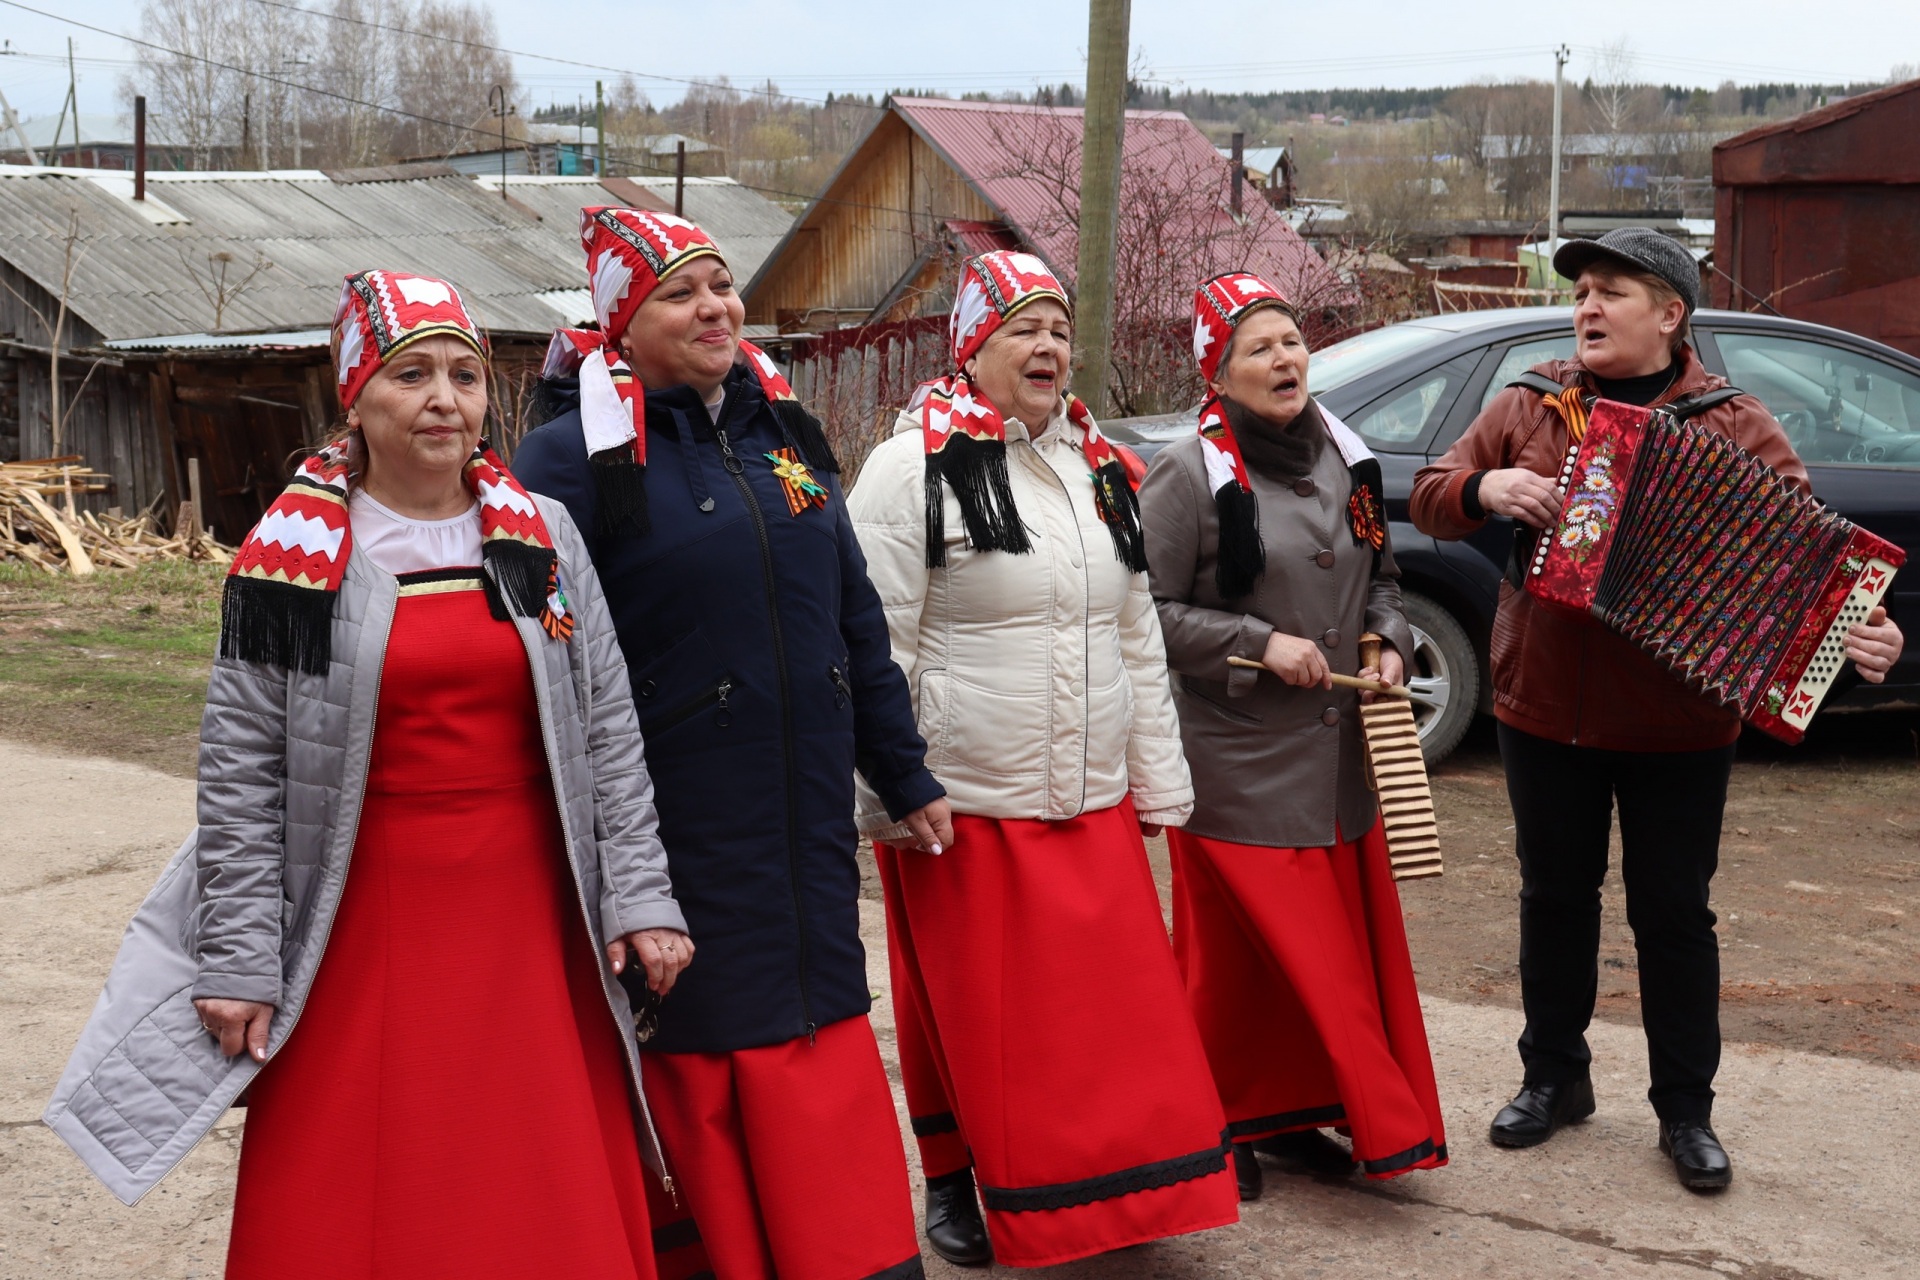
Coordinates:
x,y
1590,507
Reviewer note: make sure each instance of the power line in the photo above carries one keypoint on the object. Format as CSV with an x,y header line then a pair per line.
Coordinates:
x,y
244,71
522,53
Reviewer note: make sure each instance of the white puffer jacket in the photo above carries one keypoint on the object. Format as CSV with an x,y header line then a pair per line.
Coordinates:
x,y
1039,680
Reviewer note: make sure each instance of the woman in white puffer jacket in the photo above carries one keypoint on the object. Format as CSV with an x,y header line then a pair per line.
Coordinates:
x,y
1043,1032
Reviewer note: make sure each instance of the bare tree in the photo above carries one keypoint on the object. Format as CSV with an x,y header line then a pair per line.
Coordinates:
x,y
194,97
216,283
1175,230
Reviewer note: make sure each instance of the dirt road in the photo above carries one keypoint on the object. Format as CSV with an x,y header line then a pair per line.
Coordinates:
x,y
1819,1140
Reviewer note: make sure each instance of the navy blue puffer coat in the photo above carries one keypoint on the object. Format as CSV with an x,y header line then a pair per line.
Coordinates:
x,y
764,677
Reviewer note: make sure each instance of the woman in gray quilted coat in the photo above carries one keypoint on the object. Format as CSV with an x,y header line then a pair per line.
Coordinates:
x,y
426,849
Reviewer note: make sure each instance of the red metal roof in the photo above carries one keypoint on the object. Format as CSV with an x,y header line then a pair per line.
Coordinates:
x,y
981,237
1025,161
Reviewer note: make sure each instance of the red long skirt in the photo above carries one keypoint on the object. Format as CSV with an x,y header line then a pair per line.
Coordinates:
x,y
454,1100
787,1159
1296,963
1045,1039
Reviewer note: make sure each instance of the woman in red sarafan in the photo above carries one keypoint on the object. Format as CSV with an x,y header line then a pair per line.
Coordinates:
x,y
461,1094
1266,542
1045,1045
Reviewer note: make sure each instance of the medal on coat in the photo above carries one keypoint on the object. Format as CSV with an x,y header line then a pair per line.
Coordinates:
x,y
801,488
1363,517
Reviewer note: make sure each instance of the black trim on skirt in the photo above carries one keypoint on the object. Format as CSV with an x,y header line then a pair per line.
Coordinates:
x,y
933,1125
911,1269
1411,1156
1144,1177
1305,1118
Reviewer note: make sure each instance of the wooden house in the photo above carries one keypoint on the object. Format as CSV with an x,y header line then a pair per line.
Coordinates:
x,y
934,180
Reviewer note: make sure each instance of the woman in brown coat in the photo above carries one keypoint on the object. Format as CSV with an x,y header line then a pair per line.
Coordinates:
x,y
1265,541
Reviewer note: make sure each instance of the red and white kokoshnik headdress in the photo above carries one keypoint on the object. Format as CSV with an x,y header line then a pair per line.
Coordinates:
x,y
1219,307
277,605
629,252
965,435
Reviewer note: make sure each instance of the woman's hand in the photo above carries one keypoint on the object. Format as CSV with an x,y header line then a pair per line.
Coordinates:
x,y
239,1025
1392,670
1875,645
932,826
1522,495
663,953
1298,662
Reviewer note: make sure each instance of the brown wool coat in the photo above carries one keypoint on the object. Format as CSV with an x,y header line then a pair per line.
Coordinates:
x,y
1272,764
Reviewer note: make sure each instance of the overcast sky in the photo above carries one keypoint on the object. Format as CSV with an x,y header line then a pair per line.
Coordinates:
x,y
811,47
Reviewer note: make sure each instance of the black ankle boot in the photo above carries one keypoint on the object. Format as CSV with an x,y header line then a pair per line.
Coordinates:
x,y
954,1227
1246,1171
1310,1149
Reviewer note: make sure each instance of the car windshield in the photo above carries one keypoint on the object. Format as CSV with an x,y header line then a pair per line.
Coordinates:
x,y
1341,363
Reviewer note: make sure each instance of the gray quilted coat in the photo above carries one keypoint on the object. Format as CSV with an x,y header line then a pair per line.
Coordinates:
x,y
244,908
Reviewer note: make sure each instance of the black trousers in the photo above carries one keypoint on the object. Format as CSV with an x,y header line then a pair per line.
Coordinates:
x,y
1670,809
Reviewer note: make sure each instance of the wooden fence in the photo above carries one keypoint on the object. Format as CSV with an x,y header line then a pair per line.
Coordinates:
x,y
856,381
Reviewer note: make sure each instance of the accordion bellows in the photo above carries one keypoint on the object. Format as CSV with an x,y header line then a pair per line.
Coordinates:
x,y
1737,582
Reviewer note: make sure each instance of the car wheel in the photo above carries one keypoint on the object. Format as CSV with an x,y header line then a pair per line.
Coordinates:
x,y
1446,672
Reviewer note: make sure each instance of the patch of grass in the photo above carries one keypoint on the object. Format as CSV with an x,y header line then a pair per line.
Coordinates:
x,y
112,665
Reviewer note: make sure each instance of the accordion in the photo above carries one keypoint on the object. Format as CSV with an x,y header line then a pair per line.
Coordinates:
x,y
1737,582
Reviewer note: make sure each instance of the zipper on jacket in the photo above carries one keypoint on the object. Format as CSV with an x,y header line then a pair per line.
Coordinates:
x,y
716,696
1086,632
737,469
843,692
544,700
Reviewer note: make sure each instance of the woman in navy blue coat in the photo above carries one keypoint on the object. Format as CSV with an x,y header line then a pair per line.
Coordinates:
x,y
762,670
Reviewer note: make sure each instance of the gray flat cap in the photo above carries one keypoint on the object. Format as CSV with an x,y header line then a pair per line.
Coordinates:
x,y
1640,249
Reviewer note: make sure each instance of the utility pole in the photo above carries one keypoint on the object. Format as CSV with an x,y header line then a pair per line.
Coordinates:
x,y
1560,56
600,131
292,67
1100,161
501,108
73,101
1239,169
680,178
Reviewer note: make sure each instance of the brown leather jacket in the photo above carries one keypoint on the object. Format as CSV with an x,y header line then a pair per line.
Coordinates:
x,y
1564,677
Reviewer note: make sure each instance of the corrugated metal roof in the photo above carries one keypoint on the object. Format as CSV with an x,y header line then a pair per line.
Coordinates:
x,y
518,262
286,340
1023,158
744,223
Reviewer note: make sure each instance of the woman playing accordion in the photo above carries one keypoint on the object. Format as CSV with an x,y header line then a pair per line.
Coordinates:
x,y
1587,719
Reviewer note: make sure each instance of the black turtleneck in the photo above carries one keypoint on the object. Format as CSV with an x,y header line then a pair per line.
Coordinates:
x,y
1641,391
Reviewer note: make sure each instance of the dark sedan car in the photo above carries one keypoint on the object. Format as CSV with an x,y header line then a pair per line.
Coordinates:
x,y
1850,406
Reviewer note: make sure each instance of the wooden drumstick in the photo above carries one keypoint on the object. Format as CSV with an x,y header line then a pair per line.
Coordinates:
x,y
1350,682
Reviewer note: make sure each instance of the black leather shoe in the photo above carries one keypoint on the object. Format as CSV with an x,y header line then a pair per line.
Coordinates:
x,y
1697,1155
1538,1110
1246,1171
1311,1149
954,1227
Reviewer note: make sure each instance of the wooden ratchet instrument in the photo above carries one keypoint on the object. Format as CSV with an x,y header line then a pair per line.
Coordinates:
x,y
1351,682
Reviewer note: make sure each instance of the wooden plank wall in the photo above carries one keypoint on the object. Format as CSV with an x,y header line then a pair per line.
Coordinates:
x,y
866,232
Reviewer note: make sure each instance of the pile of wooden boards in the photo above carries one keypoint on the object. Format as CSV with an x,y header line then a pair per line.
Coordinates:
x,y
40,525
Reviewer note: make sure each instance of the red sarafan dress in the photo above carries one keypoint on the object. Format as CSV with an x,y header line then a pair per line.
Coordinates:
x,y
1297,967
454,1098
